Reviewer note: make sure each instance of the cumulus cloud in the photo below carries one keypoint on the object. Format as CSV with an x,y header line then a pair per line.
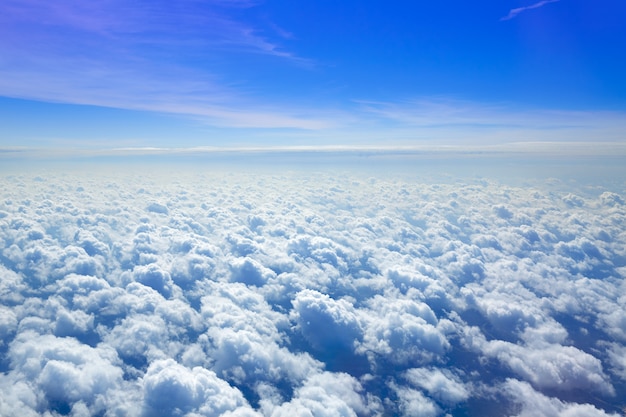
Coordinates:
x,y
533,403
329,394
8,323
413,402
339,295
441,384
552,366
250,272
403,332
244,341
59,373
326,323
171,389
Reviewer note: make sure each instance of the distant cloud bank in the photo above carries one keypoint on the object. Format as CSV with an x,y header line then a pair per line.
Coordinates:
x,y
297,293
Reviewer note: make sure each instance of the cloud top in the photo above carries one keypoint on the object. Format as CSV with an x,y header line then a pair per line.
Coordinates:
x,y
257,293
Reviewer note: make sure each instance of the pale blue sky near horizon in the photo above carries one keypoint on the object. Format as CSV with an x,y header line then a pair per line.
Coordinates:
x,y
237,73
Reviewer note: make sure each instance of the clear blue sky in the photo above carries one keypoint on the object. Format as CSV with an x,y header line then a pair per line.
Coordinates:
x,y
113,73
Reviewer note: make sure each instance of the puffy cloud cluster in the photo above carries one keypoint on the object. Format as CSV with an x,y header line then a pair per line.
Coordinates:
x,y
310,294
172,389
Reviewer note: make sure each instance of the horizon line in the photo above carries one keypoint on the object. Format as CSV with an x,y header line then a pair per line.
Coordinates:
x,y
573,148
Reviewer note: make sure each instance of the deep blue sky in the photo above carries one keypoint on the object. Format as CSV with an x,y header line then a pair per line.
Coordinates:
x,y
260,73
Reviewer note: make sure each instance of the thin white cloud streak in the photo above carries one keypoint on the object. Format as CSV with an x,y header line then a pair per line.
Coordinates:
x,y
436,112
118,55
457,122
514,12
193,95
140,23
423,124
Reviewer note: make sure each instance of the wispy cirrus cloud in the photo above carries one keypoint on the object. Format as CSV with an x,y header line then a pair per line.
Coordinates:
x,y
145,55
190,24
451,121
514,12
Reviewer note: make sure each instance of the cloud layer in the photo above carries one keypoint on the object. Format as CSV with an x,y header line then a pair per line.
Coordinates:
x,y
279,293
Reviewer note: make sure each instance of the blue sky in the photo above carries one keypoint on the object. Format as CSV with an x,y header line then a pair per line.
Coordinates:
x,y
273,73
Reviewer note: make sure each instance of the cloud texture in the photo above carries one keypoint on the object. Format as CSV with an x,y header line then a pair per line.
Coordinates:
x,y
268,294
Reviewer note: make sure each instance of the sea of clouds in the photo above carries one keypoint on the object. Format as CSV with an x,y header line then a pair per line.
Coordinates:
x,y
218,292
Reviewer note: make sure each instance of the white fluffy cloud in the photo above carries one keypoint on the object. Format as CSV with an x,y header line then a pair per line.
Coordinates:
x,y
404,332
549,366
533,403
326,323
329,395
172,389
49,372
211,293
413,402
441,384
